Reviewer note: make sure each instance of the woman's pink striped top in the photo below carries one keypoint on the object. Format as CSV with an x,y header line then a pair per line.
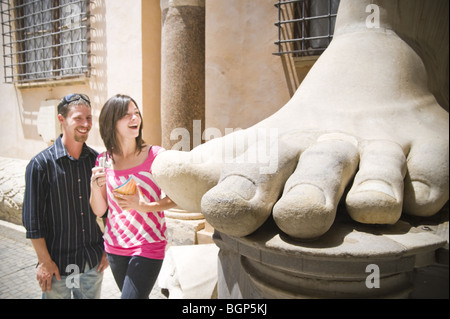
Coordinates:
x,y
129,233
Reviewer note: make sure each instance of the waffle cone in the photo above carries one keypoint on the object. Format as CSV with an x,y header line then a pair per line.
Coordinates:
x,y
127,188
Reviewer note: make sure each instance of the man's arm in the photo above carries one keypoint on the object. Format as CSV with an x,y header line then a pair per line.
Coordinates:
x,y
33,219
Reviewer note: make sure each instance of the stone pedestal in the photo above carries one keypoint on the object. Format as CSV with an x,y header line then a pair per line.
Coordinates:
x,y
350,261
182,73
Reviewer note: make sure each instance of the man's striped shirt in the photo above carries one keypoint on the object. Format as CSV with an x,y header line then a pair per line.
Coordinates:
x,y
56,206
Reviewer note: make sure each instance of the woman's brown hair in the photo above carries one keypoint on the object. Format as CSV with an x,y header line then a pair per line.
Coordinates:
x,y
114,110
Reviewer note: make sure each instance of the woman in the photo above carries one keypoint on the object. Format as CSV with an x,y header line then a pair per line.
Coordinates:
x,y
135,232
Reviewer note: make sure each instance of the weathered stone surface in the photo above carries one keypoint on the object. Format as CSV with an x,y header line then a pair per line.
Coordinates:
x,y
183,232
12,187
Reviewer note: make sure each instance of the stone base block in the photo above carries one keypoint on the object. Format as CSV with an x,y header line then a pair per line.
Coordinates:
x,y
183,232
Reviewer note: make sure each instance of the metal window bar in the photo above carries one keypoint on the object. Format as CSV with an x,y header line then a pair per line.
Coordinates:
x,y
305,27
7,46
45,39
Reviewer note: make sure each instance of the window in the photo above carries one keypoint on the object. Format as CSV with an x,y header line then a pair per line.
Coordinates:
x,y
45,39
305,27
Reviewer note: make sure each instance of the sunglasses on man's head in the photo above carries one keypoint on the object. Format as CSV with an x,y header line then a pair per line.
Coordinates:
x,y
75,97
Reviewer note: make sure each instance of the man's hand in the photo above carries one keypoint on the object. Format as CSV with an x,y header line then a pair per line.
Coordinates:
x,y
45,272
103,263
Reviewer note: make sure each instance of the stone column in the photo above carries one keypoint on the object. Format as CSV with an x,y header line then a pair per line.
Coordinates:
x,y
182,73
183,94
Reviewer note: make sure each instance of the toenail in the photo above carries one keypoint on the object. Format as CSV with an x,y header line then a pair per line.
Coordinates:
x,y
376,185
239,184
308,194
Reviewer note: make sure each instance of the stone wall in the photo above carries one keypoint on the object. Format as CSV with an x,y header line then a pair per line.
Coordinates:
x,y
12,187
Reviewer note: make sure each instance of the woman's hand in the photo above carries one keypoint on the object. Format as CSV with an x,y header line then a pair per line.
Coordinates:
x,y
98,199
135,201
139,203
103,263
98,178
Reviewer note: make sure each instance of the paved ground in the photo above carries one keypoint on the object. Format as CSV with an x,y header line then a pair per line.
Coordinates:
x,y
18,268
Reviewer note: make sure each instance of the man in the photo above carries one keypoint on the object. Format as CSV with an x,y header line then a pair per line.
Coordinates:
x,y
56,211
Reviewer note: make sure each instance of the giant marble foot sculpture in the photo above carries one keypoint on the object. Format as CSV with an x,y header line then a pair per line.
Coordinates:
x,y
364,119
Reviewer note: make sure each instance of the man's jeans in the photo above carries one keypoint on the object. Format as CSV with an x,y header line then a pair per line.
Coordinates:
x,y
85,285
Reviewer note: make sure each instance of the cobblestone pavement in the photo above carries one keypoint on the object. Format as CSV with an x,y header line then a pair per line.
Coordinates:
x,y
18,268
